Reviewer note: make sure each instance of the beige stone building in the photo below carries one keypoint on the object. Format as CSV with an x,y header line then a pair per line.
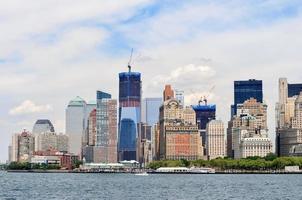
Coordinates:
x,y
178,133
215,139
290,135
249,127
248,143
23,146
51,141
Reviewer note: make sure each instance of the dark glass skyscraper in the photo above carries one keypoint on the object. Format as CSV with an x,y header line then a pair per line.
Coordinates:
x,y
204,114
294,89
244,90
129,113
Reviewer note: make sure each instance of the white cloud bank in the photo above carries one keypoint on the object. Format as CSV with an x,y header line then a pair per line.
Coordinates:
x,y
29,107
186,76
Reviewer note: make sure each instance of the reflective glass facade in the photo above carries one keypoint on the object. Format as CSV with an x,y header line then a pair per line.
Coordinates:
x,y
244,90
129,113
204,114
150,110
294,89
106,122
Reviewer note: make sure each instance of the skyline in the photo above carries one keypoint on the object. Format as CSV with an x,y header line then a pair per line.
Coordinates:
x,y
45,66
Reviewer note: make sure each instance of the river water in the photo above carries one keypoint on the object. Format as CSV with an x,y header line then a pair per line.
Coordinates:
x,y
155,186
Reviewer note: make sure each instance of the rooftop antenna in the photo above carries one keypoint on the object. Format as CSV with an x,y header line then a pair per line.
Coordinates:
x,y
129,63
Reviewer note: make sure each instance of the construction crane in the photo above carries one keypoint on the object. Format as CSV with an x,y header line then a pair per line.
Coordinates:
x,y
130,60
205,97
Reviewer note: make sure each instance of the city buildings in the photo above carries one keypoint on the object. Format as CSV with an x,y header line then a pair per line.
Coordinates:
x,y
247,134
23,147
76,124
244,90
168,92
130,90
106,122
215,142
249,143
51,141
150,110
42,126
89,138
178,135
62,159
180,96
204,114
144,143
288,118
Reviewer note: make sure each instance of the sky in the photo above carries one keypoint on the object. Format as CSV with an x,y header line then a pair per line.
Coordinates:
x,y
54,50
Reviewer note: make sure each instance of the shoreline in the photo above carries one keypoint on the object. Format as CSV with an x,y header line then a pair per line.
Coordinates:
x,y
126,172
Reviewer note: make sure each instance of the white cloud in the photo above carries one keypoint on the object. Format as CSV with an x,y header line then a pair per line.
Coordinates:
x,y
186,77
29,107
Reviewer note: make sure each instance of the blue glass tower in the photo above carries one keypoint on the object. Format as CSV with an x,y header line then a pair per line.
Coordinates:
x,y
294,89
129,113
244,90
204,114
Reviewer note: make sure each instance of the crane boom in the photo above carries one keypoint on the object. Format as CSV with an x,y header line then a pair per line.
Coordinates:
x,y
130,60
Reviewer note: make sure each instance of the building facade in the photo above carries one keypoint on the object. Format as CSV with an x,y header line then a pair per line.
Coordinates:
x,y
42,126
244,90
180,96
150,110
215,142
50,141
204,114
23,147
144,141
168,92
178,133
288,117
248,143
106,123
76,123
130,89
248,127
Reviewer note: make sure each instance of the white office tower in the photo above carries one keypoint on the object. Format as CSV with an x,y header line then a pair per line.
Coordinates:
x,y
215,141
76,124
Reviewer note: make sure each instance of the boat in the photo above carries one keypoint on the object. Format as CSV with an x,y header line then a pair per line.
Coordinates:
x,y
142,174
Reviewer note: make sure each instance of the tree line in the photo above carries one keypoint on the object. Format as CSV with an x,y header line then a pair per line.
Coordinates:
x,y
270,162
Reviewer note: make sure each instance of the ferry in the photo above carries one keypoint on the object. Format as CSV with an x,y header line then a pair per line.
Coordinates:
x,y
184,170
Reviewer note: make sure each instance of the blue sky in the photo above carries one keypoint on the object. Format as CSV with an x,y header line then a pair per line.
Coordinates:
x,y
51,52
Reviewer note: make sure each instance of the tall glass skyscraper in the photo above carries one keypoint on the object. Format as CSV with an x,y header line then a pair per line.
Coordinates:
x,y
129,113
294,89
76,124
106,136
204,114
150,110
244,90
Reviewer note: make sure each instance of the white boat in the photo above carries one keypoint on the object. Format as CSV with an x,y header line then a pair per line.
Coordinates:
x,y
142,174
